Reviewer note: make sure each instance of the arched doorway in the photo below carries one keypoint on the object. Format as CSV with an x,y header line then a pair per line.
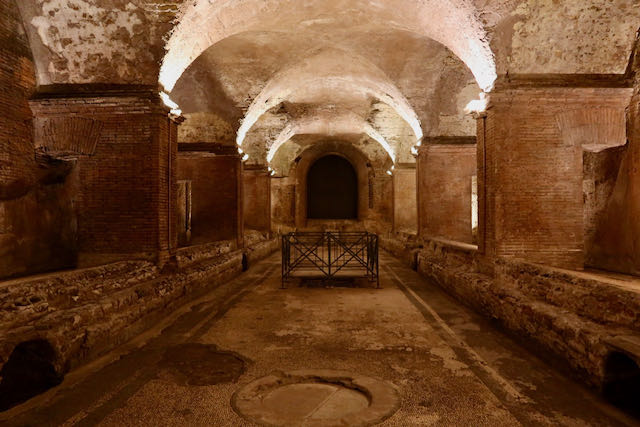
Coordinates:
x,y
332,189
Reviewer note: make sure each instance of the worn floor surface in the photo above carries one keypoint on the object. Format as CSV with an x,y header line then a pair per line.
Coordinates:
x,y
450,366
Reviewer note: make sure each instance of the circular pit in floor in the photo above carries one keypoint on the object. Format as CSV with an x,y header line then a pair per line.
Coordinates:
x,y
316,398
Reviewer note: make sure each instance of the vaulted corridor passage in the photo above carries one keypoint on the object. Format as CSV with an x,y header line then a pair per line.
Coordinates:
x,y
450,366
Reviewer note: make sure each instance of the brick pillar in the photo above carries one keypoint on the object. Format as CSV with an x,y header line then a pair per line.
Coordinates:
x,y
405,210
631,248
257,199
215,173
446,166
125,143
531,178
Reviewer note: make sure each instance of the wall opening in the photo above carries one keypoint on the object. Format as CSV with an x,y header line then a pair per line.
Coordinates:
x,y
245,262
28,372
622,382
332,189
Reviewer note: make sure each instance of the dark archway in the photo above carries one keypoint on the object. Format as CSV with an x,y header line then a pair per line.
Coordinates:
x,y
332,189
28,372
622,382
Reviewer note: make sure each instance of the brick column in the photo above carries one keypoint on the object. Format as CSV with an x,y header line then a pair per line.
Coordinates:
x,y
446,166
631,246
405,209
257,198
125,143
216,176
531,179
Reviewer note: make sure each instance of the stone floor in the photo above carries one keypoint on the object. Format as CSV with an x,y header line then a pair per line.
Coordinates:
x,y
449,366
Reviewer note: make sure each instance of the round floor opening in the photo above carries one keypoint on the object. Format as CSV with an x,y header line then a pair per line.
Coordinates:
x,y
322,398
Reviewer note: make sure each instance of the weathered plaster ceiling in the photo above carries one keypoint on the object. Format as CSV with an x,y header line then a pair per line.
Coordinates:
x,y
126,41
253,71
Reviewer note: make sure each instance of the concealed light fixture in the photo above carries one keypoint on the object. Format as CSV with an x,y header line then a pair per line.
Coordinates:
x,y
245,157
240,151
389,173
273,173
270,169
477,105
175,108
414,151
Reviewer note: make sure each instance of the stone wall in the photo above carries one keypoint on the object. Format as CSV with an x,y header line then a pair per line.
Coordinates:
x,y
574,317
84,313
37,224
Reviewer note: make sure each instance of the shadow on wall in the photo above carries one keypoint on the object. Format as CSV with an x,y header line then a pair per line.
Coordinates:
x,y
29,371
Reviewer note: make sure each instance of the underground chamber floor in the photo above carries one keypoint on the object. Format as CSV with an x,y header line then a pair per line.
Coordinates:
x,y
249,353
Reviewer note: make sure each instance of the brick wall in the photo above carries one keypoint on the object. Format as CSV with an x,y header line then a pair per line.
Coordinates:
x,y
534,177
444,185
257,199
617,238
215,194
17,82
123,189
37,226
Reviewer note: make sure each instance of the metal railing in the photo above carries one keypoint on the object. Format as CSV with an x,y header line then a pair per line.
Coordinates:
x,y
330,256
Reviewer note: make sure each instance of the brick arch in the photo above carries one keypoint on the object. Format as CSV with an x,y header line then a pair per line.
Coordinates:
x,y
358,160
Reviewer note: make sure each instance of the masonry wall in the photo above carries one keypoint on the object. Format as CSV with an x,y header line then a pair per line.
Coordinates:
x,y
533,168
375,194
601,171
257,200
37,225
124,186
617,238
534,180
215,190
405,205
570,316
445,174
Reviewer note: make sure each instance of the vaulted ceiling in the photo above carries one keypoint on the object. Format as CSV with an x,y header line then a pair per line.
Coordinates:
x,y
265,73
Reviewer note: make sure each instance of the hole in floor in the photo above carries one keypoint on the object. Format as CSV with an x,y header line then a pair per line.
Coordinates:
x,y
327,398
622,382
28,372
201,364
